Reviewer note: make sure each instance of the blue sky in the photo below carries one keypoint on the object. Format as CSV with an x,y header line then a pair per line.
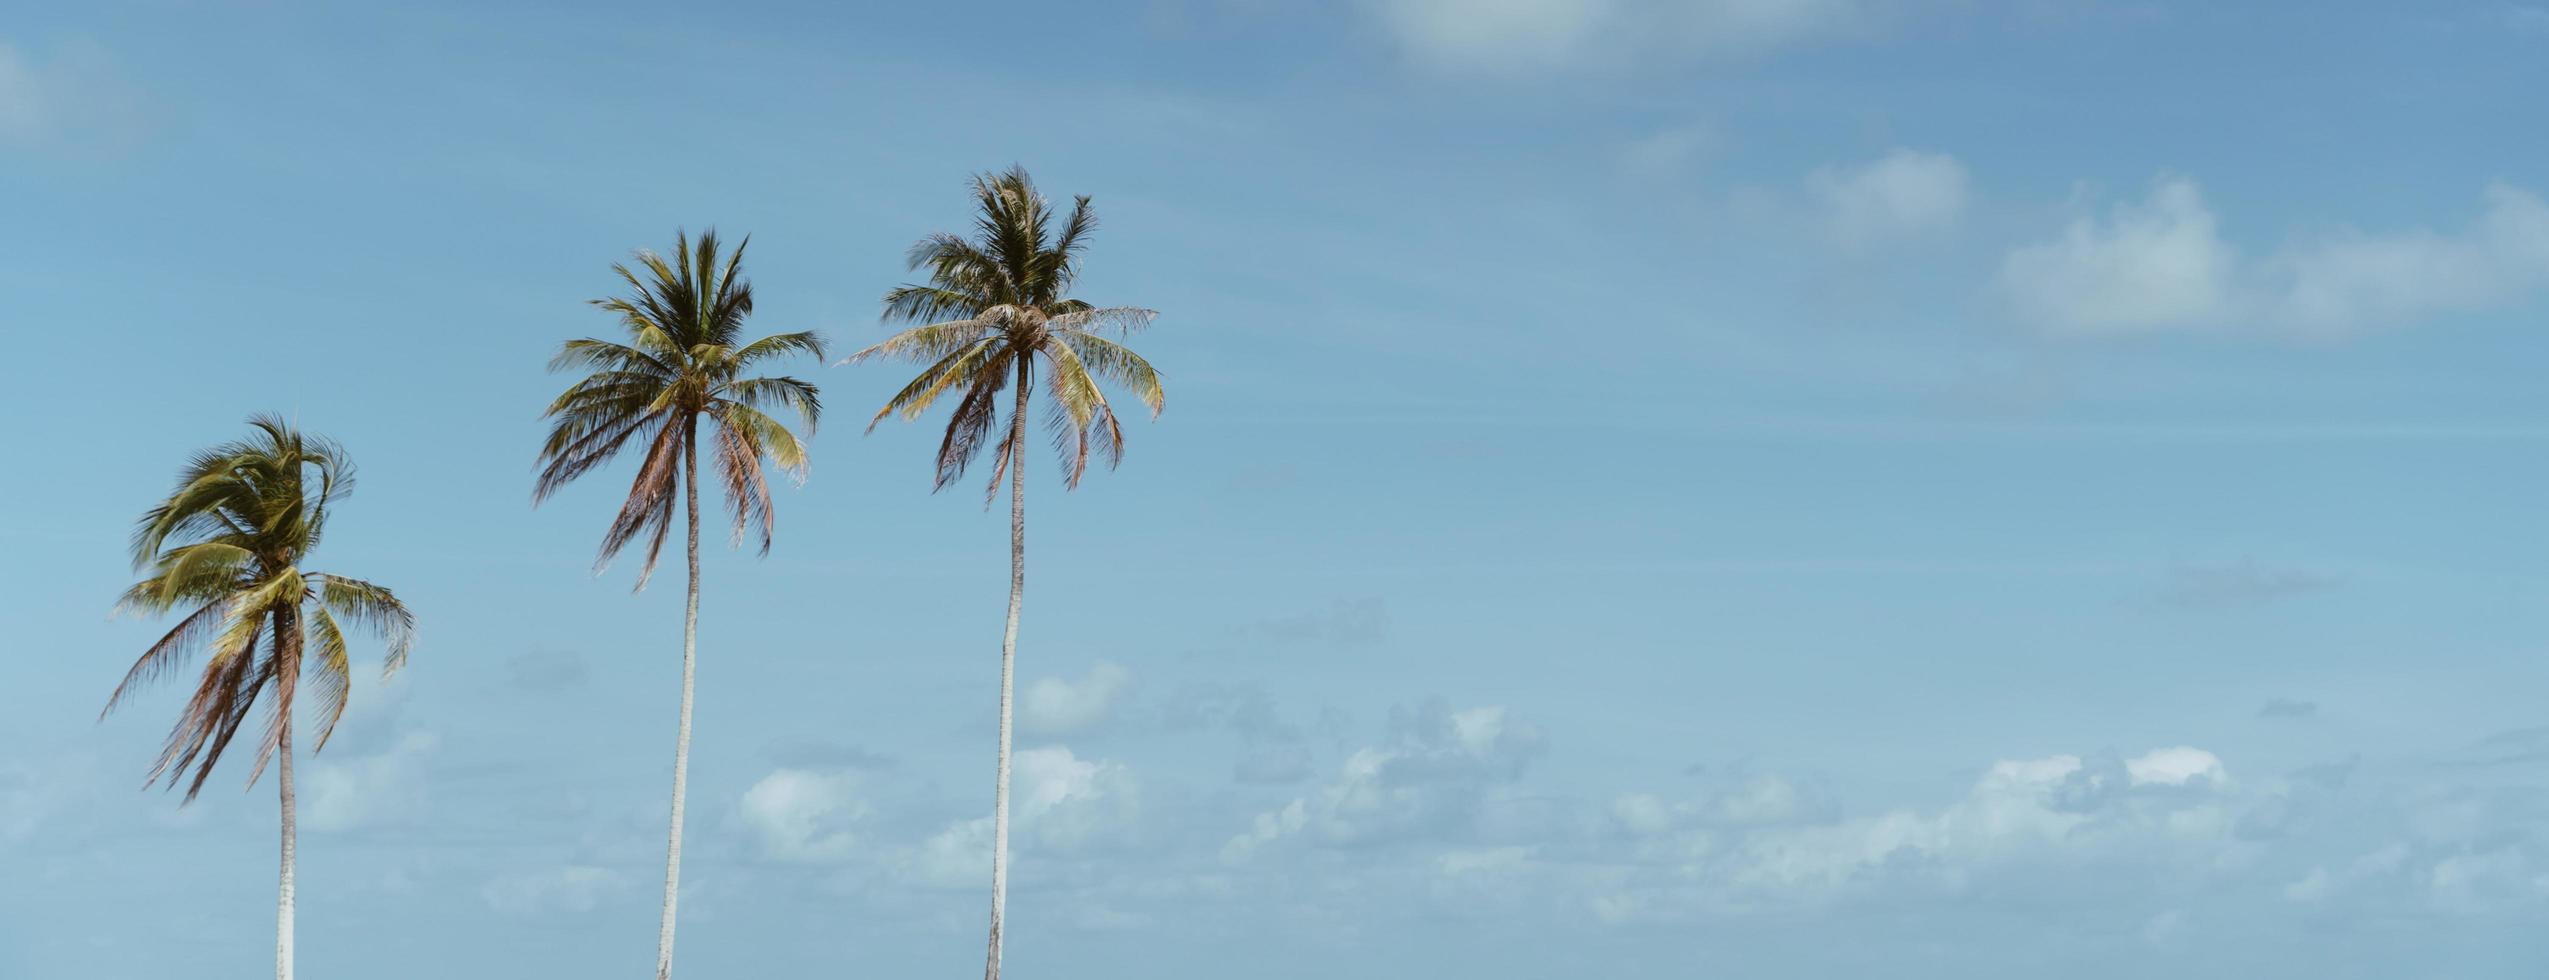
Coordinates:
x,y
1972,488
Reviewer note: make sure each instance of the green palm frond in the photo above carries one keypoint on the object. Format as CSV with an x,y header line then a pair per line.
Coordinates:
x,y
783,392
1116,364
984,358
1079,415
1120,320
805,342
375,608
930,341
331,673
923,304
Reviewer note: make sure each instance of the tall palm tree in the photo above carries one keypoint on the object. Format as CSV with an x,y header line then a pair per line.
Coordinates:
x,y
684,360
227,545
995,307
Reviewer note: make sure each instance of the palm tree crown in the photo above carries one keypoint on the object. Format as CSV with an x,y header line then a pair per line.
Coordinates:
x,y
995,307
685,358
228,544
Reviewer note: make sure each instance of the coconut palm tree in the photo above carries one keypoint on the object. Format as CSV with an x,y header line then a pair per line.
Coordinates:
x,y
227,546
684,360
996,309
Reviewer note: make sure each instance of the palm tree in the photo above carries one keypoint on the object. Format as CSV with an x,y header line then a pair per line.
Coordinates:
x,y
684,360
995,306
227,545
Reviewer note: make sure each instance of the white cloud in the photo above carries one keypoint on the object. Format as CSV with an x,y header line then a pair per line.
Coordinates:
x,y
958,856
574,888
1431,779
1055,706
1906,192
384,787
2055,810
1482,861
2156,264
1492,32
2353,279
1519,35
2180,766
804,815
1758,801
1669,152
2523,17
2162,264
2485,881
1067,802
24,108
1059,803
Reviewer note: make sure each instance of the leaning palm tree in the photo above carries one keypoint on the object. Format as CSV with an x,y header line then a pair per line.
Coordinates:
x,y
684,360
997,306
227,546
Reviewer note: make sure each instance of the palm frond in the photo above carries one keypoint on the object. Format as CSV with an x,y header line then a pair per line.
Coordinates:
x,y
953,297
963,366
371,607
649,508
780,344
1117,365
212,715
928,342
170,653
794,395
747,488
592,444
970,426
202,571
333,675
1121,320
1058,267
604,356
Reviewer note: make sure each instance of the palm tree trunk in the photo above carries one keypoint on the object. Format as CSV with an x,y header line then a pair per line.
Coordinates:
x,y
287,640
681,743
1008,666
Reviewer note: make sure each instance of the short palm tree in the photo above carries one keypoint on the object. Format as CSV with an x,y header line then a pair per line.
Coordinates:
x,y
684,360
995,311
227,546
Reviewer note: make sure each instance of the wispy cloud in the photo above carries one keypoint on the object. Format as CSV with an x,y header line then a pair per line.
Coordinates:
x,y
2241,583
71,98
1538,35
2288,708
2162,264
804,815
1348,622
1905,192
1064,706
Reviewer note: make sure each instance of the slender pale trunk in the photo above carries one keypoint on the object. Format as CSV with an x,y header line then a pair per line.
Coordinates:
x,y
287,638
1008,666
681,742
